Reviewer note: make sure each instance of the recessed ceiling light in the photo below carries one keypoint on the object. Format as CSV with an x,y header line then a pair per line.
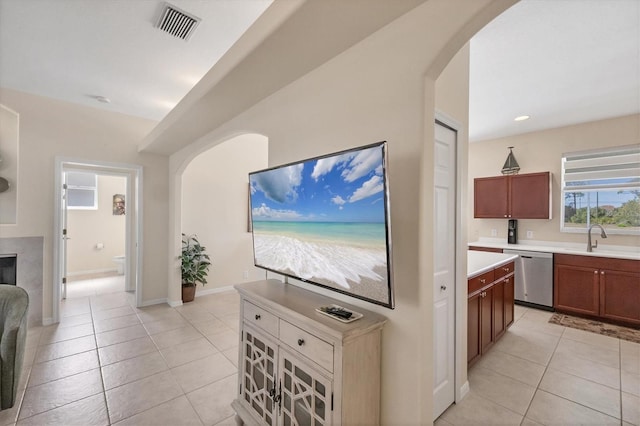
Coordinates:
x,y
100,98
521,118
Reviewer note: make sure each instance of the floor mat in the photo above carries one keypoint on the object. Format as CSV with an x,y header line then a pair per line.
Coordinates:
x,y
617,331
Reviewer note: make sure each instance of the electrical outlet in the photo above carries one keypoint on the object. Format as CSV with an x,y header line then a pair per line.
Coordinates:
x,y
494,232
245,275
529,234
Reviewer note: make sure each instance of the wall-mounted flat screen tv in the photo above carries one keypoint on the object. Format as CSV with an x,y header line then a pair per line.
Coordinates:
x,y
325,221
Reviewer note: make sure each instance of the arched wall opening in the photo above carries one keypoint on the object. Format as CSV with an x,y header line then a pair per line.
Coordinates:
x,y
215,207
353,99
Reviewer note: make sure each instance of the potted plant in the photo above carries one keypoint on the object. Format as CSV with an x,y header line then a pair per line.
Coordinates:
x,y
195,266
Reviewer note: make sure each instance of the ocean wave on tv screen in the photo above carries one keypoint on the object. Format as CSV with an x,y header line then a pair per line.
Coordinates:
x,y
324,262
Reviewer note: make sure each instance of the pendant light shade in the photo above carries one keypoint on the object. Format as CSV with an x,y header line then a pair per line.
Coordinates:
x,y
511,166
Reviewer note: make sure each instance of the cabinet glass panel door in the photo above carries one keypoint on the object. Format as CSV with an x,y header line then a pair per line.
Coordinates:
x,y
306,394
258,370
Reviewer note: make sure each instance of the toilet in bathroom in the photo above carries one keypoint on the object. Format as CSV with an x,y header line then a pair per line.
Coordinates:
x,y
119,261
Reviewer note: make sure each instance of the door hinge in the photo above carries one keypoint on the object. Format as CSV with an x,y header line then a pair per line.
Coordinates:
x,y
331,401
64,232
64,186
64,280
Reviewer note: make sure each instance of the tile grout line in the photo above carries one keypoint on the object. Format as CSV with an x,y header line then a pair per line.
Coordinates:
x,y
546,368
95,338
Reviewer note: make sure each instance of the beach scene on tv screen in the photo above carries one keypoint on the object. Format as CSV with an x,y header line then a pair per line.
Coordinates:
x,y
323,220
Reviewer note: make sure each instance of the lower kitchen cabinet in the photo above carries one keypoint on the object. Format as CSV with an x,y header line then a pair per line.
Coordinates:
x,y
498,296
300,367
598,287
509,300
620,295
490,309
577,289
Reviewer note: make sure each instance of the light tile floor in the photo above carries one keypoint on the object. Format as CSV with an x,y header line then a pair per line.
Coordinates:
x,y
109,363
545,374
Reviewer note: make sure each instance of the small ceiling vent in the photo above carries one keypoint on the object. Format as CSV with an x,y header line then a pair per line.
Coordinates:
x,y
177,22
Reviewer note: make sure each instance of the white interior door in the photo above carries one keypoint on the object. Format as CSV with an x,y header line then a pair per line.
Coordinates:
x,y
65,237
444,252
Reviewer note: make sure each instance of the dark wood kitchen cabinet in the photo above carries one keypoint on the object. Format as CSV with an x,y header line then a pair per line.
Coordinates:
x,y
480,324
598,287
526,196
490,309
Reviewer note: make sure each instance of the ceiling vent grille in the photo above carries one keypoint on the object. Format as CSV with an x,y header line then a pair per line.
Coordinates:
x,y
177,22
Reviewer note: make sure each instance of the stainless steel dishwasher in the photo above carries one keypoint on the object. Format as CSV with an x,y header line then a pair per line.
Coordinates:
x,y
534,278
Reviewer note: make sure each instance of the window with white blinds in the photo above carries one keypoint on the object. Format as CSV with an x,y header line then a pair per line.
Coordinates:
x,y
603,187
82,191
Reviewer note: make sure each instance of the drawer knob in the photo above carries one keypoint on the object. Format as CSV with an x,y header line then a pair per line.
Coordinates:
x,y
482,280
300,342
258,317
505,269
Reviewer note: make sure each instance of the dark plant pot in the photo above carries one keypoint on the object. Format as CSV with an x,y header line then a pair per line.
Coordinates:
x,y
188,293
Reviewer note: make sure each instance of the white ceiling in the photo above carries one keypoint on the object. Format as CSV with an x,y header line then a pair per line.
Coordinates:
x,y
74,50
560,61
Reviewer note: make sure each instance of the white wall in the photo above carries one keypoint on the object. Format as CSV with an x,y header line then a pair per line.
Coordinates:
x,y
215,206
50,128
87,228
9,140
541,152
383,88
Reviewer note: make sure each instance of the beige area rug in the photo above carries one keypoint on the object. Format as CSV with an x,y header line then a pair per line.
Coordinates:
x,y
617,331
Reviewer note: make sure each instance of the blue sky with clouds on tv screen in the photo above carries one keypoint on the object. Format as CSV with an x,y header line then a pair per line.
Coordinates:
x,y
342,188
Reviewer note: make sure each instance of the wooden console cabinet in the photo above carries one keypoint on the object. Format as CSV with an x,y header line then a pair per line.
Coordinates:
x,y
300,367
526,196
598,287
490,309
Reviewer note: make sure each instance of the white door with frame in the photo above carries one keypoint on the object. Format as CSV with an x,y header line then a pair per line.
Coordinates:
x,y
444,277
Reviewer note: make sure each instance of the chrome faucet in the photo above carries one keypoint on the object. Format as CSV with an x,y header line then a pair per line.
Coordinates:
x,y
603,234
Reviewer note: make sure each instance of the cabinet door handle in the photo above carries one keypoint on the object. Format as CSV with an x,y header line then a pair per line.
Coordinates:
x,y
258,317
595,272
300,342
601,272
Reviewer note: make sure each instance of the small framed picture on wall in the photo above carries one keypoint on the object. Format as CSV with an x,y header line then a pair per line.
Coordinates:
x,y
118,204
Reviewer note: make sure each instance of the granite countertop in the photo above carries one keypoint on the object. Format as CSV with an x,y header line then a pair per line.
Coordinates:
x,y
479,262
617,252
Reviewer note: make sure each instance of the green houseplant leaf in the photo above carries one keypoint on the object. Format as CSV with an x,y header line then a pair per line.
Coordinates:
x,y
195,262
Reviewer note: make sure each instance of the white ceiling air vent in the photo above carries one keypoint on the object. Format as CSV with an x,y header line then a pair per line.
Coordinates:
x,y
177,22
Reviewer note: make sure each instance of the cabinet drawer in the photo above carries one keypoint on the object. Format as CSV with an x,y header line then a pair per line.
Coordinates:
x,y
317,350
504,270
260,318
480,281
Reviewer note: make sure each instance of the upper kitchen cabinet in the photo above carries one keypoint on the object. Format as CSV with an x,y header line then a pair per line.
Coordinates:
x,y
526,196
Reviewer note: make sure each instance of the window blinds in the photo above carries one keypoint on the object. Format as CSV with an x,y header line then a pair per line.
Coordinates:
x,y
617,167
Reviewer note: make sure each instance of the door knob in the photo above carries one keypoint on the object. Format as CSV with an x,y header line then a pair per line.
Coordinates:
x,y
300,342
258,317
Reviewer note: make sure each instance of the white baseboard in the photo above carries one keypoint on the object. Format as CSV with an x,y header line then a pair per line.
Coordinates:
x,y
200,292
464,390
47,321
154,302
175,303
91,272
